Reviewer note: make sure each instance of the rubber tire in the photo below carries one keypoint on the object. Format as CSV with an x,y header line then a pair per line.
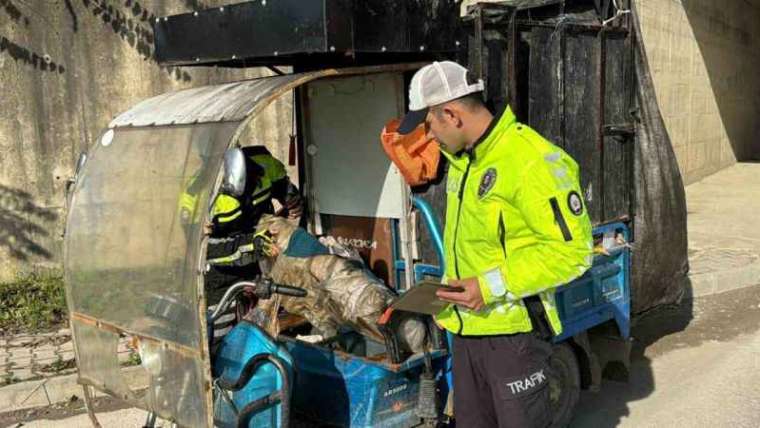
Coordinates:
x,y
564,384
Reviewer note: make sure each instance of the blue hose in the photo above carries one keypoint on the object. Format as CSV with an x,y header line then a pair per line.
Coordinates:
x,y
433,228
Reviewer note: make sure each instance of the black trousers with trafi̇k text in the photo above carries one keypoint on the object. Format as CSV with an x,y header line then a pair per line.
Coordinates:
x,y
501,381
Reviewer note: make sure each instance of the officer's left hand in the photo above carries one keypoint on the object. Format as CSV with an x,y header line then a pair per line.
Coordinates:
x,y
470,296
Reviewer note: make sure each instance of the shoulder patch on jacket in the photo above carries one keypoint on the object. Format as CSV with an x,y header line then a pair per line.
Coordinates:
x,y
574,203
487,182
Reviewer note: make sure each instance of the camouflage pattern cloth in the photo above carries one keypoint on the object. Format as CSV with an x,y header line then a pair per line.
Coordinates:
x,y
341,291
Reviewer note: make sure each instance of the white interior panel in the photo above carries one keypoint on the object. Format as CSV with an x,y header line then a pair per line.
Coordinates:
x,y
350,173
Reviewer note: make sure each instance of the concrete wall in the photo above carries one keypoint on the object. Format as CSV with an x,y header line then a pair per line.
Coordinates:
x,y
67,68
705,61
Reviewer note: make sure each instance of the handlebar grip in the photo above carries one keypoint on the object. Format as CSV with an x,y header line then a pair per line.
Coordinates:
x,y
288,290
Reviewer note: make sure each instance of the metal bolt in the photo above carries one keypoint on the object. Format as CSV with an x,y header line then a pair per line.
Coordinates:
x,y
422,48
158,20
332,48
221,9
234,56
166,18
457,43
195,14
263,2
383,49
276,53
197,59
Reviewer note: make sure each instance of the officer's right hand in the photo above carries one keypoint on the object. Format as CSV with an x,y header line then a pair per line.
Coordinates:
x,y
470,297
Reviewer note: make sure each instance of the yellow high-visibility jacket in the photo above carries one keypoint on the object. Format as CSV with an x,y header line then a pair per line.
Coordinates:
x,y
516,220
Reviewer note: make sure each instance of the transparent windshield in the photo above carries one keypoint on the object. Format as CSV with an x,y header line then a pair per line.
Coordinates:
x,y
131,248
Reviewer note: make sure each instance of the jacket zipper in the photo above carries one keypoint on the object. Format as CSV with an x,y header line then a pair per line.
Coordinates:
x,y
502,234
456,232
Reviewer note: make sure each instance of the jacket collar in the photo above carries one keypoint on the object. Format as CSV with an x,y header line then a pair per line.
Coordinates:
x,y
502,120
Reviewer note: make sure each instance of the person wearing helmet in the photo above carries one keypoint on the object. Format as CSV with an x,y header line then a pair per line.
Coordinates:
x,y
266,180
234,248
516,228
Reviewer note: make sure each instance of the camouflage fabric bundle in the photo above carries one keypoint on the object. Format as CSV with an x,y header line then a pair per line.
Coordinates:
x,y
341,291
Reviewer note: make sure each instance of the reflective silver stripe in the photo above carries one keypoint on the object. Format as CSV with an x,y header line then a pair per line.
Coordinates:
x,y
495,282
262,198
225,322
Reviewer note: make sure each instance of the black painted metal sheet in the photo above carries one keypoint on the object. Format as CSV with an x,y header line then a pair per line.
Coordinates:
x,y
244,30
313,34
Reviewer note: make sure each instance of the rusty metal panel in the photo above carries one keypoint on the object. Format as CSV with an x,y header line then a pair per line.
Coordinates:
x,y
617,157
310,34
370,237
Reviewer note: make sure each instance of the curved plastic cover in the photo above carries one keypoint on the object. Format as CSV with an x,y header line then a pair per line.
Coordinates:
x,y
132,258
218,103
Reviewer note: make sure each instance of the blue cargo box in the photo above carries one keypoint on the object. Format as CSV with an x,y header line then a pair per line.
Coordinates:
x,y
336,388
602,293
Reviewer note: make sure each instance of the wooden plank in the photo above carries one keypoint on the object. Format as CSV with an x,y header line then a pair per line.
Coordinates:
x,y
545,84
617,160
581,114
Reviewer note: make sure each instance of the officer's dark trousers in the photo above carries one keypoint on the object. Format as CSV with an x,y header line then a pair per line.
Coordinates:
x,y
501,381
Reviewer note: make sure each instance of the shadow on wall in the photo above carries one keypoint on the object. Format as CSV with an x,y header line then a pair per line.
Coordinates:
x,y
133,26
128,19
38,61
731,56
41,62
14,13
20,221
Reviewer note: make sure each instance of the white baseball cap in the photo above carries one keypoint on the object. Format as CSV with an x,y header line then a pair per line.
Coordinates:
x,y
435,84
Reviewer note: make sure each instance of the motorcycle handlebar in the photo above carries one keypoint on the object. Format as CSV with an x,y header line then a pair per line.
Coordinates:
x,y
263,289
288,290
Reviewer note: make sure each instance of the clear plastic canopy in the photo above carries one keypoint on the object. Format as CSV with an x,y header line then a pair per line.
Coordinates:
x,y
134,245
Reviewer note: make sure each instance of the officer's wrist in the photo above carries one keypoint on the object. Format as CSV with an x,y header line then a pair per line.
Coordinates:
x,y
485,291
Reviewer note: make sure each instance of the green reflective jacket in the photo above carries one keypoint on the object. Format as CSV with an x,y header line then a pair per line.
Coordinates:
x,y
264,171
516,220
267,179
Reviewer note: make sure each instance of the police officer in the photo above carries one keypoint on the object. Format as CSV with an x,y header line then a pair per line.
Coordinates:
x,y
516,228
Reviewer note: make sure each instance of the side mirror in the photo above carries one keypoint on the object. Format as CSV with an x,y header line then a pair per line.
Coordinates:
x,y
71,181
80,163
233,183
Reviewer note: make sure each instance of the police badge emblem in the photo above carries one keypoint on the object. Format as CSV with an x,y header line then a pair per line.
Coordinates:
x,y
487,182
574,203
